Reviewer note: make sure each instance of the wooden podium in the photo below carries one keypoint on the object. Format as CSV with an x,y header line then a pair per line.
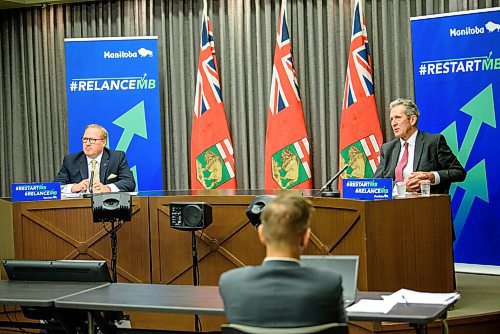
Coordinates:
x,y
401,242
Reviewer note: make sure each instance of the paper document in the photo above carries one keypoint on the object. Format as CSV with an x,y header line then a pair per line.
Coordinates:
x,y
71,195
372,306
406,296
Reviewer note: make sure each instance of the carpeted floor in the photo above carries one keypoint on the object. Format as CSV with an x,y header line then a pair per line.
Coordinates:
x,y
480,294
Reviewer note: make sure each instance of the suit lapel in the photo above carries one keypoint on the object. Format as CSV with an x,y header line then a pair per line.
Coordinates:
x,y
419,145
394,158
104,166
82,165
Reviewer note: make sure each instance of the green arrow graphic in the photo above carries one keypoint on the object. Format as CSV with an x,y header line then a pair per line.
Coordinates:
x,y
482,110
134,173
133,123
475,185
450,133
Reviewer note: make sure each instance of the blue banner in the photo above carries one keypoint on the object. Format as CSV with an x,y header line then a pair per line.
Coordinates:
x,y
367,189
456,62
23,192
114,82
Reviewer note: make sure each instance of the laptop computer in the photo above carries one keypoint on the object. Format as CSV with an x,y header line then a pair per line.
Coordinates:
x,y
345,265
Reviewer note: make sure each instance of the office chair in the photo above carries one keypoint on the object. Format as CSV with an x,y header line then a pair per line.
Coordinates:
x,y
331,328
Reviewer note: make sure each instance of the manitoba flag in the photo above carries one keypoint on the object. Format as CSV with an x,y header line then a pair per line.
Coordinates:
x,y
360,133
212,160
287,160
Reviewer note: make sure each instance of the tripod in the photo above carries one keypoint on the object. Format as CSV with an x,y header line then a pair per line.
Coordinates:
x,y
196,273
114,246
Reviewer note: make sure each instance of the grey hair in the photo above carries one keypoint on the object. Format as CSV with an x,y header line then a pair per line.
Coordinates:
x,y
410,107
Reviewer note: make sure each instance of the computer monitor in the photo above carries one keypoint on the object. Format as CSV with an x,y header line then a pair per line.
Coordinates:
x,y
345,265
59,271
64,270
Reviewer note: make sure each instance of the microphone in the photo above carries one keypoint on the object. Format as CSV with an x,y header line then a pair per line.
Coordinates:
x,y
91,185
331,193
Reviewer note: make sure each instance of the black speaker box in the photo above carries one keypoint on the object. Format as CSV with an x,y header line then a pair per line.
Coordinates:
x,y
190,216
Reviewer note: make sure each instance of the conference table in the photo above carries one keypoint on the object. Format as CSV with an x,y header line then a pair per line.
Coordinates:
x,y
96,297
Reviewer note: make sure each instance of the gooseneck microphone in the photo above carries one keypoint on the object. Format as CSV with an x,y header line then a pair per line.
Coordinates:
x,y
328,185
91,185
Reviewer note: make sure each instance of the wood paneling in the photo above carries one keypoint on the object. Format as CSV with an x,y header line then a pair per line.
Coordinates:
x,y
401,243
6,233
56,230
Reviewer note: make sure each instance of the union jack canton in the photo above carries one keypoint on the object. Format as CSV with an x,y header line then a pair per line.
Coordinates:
x,y
359,81
210,94
284,83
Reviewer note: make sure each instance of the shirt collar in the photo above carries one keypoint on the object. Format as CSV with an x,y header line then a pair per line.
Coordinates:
x,y
97,159
276,258
411,141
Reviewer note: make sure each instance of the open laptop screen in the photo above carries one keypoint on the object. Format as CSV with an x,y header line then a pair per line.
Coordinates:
x,y
345,265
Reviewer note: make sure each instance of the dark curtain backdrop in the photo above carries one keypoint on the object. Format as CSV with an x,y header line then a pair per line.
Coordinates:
x,y
33,110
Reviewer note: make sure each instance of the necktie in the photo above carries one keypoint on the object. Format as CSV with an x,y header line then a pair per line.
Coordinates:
x,y
402,164
94,173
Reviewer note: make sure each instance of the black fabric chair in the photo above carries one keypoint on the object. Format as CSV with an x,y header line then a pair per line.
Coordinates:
x,y
332,328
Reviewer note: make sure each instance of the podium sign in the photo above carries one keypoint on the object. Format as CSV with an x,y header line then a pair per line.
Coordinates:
x,y
23,192
367,189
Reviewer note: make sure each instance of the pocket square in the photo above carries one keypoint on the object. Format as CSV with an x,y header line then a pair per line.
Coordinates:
x,y
112,176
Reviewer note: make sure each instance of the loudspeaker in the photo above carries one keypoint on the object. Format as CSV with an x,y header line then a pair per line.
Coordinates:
x,y
190,216
255,208
108,207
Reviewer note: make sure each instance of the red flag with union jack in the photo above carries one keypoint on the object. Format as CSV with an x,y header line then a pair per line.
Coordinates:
x,y
360,133
287,160
212,159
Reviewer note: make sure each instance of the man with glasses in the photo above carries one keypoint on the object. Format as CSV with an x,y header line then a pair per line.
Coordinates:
x,y
96,169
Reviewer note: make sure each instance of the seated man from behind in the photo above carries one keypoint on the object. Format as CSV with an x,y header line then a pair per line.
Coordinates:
x,y
280,292
105,169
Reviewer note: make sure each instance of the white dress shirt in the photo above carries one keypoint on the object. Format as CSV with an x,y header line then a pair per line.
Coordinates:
x,y
411,158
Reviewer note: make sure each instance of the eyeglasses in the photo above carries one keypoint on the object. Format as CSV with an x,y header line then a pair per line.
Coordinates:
x,y
90,140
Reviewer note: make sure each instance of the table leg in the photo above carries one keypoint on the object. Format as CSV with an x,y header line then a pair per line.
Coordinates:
x,y
90,321
419,328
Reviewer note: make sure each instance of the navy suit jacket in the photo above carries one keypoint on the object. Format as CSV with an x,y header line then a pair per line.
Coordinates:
x,y
432,154
282,294
75,169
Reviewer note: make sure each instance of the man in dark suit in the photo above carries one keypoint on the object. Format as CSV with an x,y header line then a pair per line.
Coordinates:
x,y
110,169
415,155
280,292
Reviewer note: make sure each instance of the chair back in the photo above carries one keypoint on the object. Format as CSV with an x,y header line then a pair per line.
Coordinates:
x,y
331,328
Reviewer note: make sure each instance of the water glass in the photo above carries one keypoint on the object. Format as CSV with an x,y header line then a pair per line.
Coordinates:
x,y
400,189
425,188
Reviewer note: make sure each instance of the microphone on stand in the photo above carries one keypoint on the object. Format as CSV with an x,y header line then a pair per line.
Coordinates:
x,y
91,185
328,185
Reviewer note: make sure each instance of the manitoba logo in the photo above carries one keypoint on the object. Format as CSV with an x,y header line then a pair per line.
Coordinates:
x,y
215,165
119,54
491,27
475,30
145,52
290,165
362,157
